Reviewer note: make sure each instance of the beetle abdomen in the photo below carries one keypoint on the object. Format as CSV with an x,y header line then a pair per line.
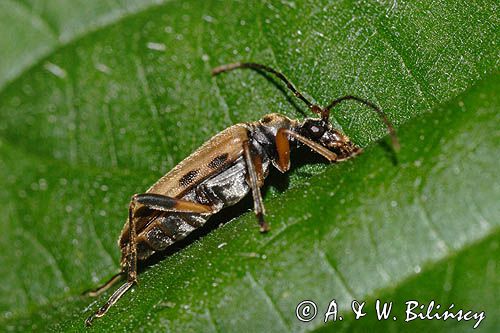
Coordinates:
x,y
167,230
228,187
224,189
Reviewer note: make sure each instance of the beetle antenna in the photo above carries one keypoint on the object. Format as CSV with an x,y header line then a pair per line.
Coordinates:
x,y
326,113
259,67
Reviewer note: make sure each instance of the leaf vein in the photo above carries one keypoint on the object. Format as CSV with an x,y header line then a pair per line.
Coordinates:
x,y
141,75
432,227
211,320
333,269
111,134
99,243
58,272
268,299
419,85
37,21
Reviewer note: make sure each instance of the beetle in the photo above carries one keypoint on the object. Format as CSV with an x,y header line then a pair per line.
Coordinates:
x,y
219,174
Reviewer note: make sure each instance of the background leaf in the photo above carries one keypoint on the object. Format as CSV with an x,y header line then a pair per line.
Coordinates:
x,y
99,99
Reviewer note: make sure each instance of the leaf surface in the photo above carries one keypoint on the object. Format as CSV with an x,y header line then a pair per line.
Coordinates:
x,y
99,99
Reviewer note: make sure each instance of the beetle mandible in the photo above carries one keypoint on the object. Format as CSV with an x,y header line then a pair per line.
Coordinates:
x,y
219,174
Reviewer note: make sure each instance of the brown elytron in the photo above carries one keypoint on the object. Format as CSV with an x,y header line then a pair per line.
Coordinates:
x,y
219,174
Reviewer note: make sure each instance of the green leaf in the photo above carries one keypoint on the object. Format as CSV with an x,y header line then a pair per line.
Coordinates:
x,y
99,99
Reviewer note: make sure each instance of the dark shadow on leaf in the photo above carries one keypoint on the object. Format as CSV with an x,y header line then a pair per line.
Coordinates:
x,y
389,150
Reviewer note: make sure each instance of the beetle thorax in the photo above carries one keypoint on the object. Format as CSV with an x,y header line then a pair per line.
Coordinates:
x,y
275,121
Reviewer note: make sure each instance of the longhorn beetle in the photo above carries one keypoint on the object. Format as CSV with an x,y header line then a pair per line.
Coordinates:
x,y
221,173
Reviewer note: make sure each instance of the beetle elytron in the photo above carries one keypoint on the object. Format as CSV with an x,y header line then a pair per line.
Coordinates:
x,y
219,174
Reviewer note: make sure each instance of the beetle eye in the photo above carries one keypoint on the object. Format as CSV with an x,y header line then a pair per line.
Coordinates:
x,y
315,131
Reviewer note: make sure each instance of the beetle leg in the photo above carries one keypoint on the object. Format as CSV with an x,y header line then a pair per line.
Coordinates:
x,y
329,155
257,163
155,202
105,286
169,204
132,243
253,180
112,300
131,266
283,149
341,145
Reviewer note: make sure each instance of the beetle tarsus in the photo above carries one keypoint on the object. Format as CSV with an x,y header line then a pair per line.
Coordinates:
x,y
264,227
112,300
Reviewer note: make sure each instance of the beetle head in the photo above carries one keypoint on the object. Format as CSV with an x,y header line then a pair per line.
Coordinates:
x,y
322,132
